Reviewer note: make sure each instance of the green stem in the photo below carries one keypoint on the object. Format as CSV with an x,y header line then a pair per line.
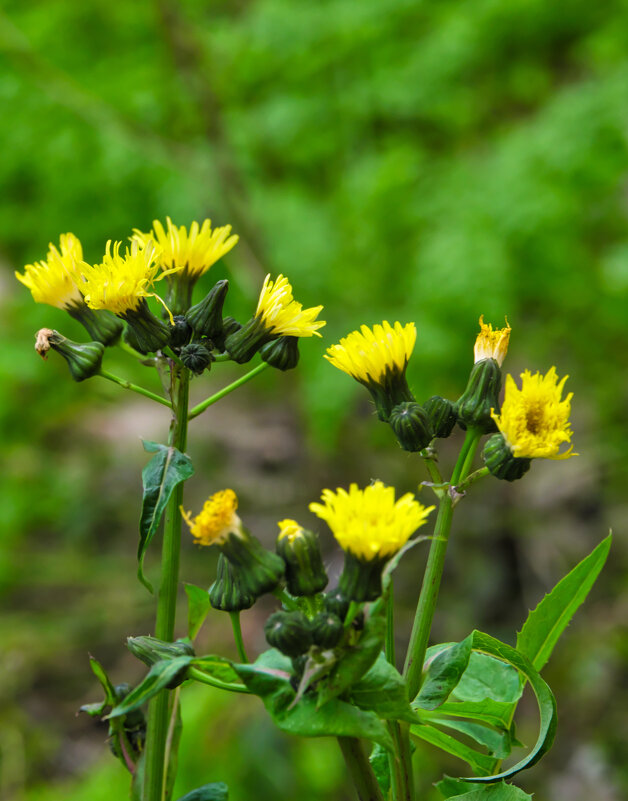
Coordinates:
x,y
401,776
126,347
159,708
229,388
360,769
237,635
413,668
134,388
285,599
432,467
390,625
203,678
471,479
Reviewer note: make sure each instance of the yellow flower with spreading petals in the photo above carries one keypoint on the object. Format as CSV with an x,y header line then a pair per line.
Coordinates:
x,y
54,280
370,355
369,523
534,420
281,315
122,282
192,251
491,344
217,520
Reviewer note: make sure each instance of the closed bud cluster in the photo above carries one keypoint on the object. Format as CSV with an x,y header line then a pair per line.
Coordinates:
x,y
327,630
289,632
442,416
411,425
196,356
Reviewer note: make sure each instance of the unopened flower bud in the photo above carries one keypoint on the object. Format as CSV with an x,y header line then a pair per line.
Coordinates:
x,y
411,425
206,317
361,580
180,332
500,461
196,357
289,632
151,650
227,592
327,630
442,415
100,325
283,353
337,604
149,332
480,397
300,550
84,359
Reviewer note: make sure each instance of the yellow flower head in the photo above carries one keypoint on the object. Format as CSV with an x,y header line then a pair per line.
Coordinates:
x,y
120,283
216,520
370,355
290,530
194,251
491,344
53,281
280,314
534,420
369,523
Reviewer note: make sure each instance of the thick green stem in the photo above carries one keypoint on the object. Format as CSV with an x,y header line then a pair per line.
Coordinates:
x,y
424,615
401,777
360,769
229,388
390,625
159,708
237,636
134,388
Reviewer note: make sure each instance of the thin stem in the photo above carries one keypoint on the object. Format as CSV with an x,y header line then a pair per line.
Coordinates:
x,y
390,625
431,466
424,615
360,769
134,388
237,635
229,388
285,599
159,708
401,776
174,714
126,347
203,678
471,479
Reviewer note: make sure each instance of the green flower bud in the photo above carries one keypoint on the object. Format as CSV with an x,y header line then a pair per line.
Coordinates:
x,y
180,332
500,461
327,630
196,357
149,333
283,353
206,317
84,359
289,632
300,550
411,425
442,416
100,325
481,395
337,604
361,580
259,570
227,593
243,344
151,650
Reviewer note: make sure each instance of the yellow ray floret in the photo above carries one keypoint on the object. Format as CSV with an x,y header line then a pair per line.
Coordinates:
x,y
369,523
534,420
216,520
290,530
282,315
368,355
194,251
53,281
121,282
491,344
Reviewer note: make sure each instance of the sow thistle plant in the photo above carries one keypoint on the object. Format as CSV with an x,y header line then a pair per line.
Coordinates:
x,y
331,667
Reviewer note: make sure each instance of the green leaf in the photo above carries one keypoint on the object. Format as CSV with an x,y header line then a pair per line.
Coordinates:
x,y
198,607
160,476
217,667
208,792
486,677
356,660
494,713
381,767
449,787
547,622
493,792
110,693
482,764
383,691
159,676
444,674
498,743
336,718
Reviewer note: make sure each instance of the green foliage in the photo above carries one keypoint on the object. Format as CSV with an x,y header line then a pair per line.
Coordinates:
x,y
443,674
383,690
216,791
198,608
457,789
161,675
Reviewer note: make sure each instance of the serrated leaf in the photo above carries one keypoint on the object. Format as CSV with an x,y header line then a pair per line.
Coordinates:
x,y
198,607
159,676
449,787
354,663
443,675
493,792
547,622
217,791
383,691
486,677
160,476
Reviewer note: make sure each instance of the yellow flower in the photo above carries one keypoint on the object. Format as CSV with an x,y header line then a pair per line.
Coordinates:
x,y
290,530
369,523
491,344
370,355
121,283
194,252
534,420
53,281
217,519
281,315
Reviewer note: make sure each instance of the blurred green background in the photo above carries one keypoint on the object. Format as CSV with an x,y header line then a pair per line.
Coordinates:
x,y
426,161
